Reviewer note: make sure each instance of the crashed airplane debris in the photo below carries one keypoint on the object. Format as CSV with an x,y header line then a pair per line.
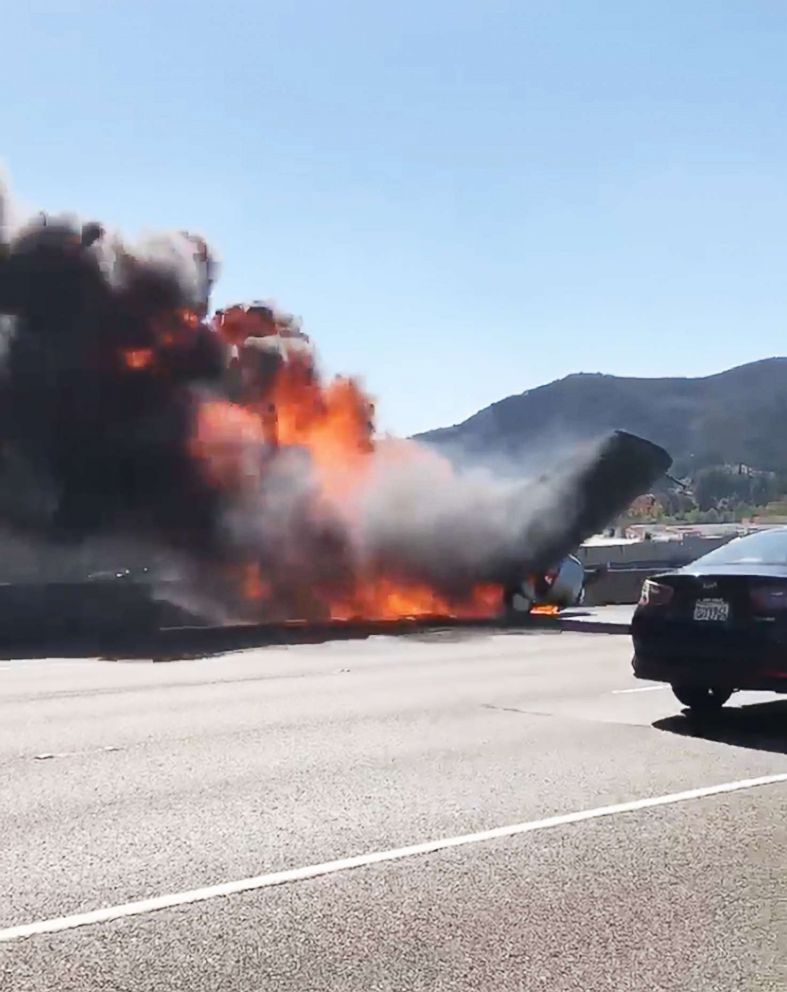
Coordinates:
x,y
262,490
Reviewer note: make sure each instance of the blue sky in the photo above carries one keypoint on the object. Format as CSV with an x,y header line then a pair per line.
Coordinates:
x,y
461,199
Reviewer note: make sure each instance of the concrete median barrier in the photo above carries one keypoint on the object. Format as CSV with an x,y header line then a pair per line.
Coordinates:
x,y
618,586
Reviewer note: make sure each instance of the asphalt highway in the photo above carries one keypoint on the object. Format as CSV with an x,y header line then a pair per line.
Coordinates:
x,y
452,766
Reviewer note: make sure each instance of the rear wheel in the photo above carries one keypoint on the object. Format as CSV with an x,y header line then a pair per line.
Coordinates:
x,y
702,699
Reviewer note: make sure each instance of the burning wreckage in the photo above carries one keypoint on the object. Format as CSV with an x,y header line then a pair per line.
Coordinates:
x,y
208,457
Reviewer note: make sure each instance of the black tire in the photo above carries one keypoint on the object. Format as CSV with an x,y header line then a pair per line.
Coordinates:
x,y
702,699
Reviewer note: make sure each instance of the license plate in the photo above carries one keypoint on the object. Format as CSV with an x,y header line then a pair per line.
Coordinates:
x,y
711,609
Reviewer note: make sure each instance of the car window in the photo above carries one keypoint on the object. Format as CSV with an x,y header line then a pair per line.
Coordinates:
x,y
765,548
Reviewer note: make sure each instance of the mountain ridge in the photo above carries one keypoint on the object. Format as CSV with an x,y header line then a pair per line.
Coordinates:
x,y
727,417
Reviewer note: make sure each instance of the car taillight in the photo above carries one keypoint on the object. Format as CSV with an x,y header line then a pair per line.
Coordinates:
x,y
655,593
769,598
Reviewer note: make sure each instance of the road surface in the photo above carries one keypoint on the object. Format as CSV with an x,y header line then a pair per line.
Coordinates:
x,y
143,791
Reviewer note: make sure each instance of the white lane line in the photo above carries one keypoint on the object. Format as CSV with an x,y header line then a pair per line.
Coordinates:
x,y
47,755
639,688
157,903
30,663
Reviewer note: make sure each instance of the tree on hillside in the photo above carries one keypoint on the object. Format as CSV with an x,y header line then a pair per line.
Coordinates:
x,y
723,487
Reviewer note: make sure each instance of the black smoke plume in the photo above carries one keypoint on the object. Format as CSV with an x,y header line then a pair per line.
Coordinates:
x,y
90,442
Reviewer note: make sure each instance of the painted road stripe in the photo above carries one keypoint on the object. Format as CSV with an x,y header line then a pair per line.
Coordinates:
x,y
157,903
639,688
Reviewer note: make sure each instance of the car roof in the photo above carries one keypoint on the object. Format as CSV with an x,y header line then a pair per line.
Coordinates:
x,y
763,552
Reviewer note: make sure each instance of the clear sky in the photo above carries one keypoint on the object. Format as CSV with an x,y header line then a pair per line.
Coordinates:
x,y
461,199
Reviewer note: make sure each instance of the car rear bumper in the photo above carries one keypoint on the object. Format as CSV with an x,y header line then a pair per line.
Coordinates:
x,y
727,674
752,664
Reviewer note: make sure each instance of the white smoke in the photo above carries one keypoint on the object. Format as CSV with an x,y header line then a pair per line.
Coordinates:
x,y
406,513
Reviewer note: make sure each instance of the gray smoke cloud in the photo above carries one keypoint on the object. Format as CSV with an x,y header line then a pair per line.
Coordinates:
x,y
450,527
412,517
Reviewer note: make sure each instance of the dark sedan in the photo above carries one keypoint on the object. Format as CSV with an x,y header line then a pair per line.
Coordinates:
x,y
719,624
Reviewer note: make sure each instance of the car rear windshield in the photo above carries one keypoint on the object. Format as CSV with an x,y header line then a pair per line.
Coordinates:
x,y
765,548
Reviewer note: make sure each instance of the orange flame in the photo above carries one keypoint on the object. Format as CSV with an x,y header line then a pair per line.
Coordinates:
x,y
137,358
334,422
224,437
189,318
385,599
254,586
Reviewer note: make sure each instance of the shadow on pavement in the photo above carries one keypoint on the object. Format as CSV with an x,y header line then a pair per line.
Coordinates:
x,y
760,726
140,641
184,643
